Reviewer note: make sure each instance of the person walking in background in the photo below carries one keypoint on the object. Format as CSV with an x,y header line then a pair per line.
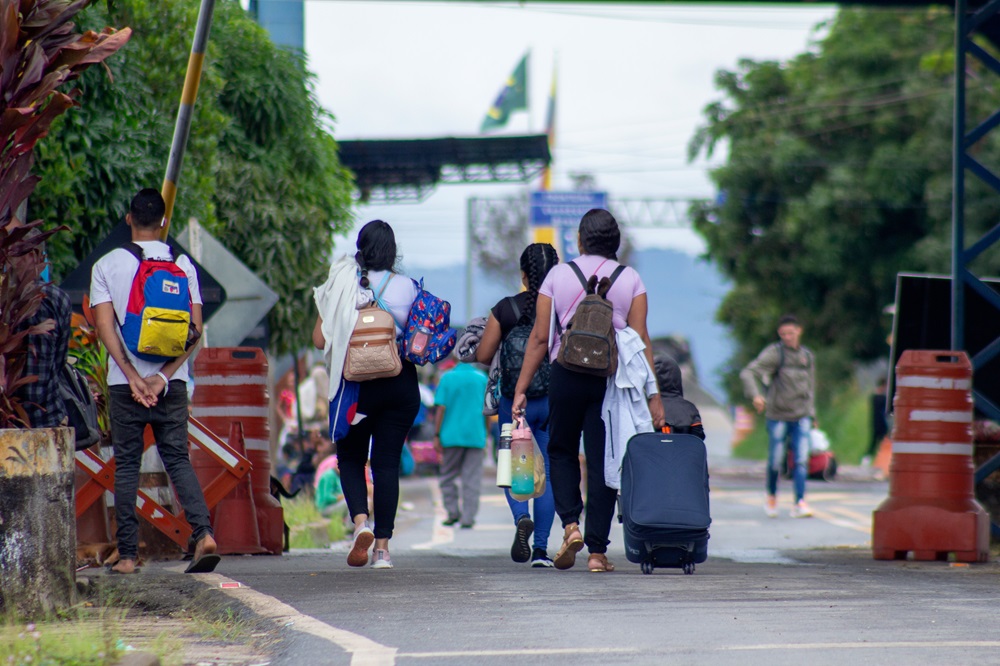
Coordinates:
x,y
388,405
880,423
145,392
575,398
460,440
519,312
787,373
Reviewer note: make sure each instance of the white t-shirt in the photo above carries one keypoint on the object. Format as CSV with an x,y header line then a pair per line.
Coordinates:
x,y
398,296
111,281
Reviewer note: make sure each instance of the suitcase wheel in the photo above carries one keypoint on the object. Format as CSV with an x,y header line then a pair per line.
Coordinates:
x,y
689,568
647,567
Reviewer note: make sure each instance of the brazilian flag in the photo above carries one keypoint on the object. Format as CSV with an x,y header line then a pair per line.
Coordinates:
x,y
512,97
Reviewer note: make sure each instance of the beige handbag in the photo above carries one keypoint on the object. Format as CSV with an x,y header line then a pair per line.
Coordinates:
x,y
372,352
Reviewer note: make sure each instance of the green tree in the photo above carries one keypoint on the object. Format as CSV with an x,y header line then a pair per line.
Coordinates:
x,y
837,177
261,170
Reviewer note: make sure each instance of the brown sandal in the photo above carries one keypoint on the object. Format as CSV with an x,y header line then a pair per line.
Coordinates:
x,y
571,545
598,562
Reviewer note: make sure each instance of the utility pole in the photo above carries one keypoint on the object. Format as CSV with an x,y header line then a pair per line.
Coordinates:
x,y
182,129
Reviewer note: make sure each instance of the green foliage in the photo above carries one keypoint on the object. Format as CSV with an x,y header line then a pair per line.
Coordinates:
x,y
79,640
98,156
838,176
260,172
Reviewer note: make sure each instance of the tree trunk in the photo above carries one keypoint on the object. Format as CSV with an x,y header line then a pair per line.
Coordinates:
x,y
37,521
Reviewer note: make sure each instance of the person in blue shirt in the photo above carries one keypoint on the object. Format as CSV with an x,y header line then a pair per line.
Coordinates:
x,y
460,439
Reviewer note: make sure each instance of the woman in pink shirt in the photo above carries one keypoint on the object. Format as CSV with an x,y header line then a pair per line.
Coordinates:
x,y
575,398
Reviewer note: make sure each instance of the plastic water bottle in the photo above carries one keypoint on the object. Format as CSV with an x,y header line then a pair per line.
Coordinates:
x,y
421,337
522,454
503,456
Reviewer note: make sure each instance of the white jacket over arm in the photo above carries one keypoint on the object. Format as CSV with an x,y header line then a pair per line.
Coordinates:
x,y
626,409
337,301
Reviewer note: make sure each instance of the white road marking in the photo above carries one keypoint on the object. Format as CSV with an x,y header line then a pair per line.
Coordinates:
x,y
364,651
865,645
514,653
440,535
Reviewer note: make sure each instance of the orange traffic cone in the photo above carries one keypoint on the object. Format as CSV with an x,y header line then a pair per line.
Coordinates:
x,y
235,519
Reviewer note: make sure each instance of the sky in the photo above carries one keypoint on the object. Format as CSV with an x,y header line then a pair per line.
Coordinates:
x,y
632,84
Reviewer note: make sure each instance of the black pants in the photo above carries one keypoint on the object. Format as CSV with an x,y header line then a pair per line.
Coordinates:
x,y
389,406
169,418
575,401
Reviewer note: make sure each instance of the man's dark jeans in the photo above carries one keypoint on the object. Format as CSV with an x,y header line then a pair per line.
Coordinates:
x,y
169,419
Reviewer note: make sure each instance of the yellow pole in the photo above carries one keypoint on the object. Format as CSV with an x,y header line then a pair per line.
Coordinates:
x,y
182,129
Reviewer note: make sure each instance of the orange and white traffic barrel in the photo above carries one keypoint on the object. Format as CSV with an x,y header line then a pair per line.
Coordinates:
x,y
931,510
231,385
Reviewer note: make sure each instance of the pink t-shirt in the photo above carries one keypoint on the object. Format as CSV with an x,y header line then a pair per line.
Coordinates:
x,y
564,288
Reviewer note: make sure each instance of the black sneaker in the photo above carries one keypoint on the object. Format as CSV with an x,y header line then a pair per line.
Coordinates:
x,y
521,550
450,522
540,559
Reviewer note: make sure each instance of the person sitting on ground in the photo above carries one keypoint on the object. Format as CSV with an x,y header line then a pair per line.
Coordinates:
x,y
681,415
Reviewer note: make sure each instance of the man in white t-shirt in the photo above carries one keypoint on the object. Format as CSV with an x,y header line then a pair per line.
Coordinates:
x,y
144,392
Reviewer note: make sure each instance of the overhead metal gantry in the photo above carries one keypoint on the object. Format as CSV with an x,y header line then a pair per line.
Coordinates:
x,y
407,170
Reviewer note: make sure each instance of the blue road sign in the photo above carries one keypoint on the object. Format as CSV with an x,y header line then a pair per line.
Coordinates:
x,y
560,209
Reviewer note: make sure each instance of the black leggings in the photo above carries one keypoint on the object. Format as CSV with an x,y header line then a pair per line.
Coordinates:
x,y
575,401
389,406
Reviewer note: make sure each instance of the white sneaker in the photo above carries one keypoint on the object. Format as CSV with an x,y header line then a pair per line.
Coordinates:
x,y
381,559
363,540
801,510
771,506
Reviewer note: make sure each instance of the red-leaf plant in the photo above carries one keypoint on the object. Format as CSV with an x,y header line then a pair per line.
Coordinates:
x,y
40,51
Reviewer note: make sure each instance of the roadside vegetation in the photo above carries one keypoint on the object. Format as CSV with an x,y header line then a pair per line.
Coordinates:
x,y
837,177
308,527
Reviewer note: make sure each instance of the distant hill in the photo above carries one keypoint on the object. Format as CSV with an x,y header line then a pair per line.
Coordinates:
x,y
684,293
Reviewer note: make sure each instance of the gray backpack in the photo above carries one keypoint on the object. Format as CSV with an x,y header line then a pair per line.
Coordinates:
x,y
588,343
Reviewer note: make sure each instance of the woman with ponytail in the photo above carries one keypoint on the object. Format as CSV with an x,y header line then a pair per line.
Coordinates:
x,y
575,398
389,405
519,310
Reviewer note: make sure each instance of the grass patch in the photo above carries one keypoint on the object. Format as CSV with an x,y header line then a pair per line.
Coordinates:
x,y
310,528
846,421
228,627
301,510
83,637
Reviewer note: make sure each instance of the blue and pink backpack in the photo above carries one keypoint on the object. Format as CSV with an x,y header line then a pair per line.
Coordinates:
x,y
158,316
427,336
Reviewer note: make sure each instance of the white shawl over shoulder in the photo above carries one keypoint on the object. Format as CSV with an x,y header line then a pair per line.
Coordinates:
x,y
337,301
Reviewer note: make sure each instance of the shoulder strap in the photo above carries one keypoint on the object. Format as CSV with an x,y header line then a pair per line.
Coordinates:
x,y
517,310
781,361
135,250
579,274
614,276
382,285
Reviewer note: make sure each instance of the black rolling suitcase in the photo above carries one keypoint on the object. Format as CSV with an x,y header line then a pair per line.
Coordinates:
x,y
664,501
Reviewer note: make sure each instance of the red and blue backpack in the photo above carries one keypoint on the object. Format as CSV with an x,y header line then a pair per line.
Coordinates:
x,y
427,336
158,316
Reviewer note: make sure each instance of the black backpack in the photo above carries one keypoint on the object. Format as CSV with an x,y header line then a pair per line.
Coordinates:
x,y
74,390
589,344
512,358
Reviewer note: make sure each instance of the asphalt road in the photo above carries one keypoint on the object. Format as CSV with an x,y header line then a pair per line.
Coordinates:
x,y
773,591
